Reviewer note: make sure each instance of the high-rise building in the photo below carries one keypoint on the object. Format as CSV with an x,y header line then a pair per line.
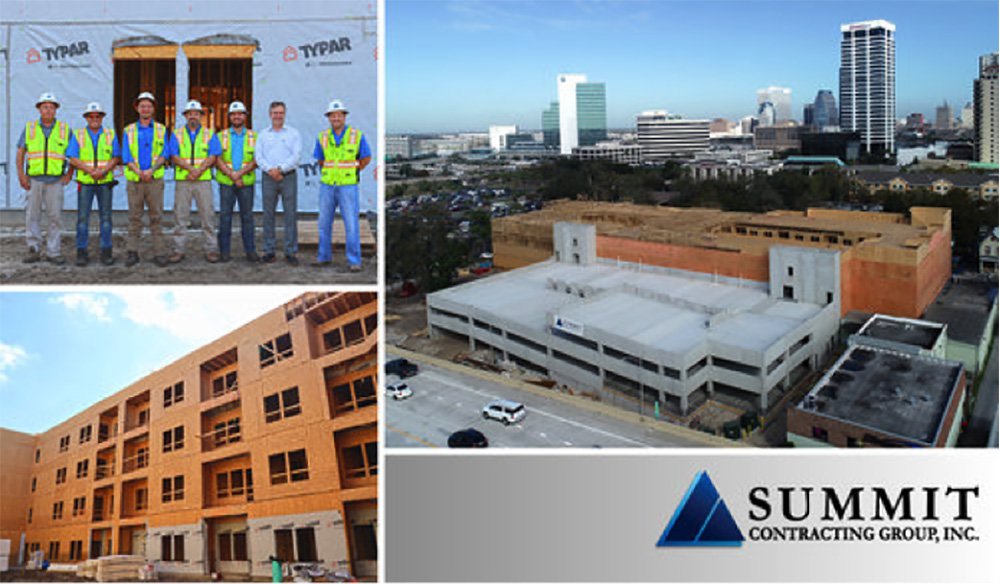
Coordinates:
x,y
868,84
968,116
944,116
582,112
780,98
663,136
915,122
809,114
766,114
498,136
825,110
550,126
984,91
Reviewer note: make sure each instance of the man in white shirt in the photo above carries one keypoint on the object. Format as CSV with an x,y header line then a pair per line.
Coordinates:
x,y
278,150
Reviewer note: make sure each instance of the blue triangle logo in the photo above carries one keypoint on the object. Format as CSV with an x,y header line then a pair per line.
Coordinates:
x,y
702,519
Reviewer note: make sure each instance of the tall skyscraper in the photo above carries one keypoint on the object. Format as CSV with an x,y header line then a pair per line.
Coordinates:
x,y
550,126
868,84
825,110
582,112
984,96
944,116
780,98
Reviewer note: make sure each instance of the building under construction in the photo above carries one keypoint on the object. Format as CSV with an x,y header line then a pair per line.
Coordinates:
x,y
261,443
889,264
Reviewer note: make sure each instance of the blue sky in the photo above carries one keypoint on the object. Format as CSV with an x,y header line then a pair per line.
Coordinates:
x,y
62,352
465,64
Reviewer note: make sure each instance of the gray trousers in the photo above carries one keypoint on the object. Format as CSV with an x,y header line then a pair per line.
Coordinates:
x,y
49,196
201,192
288,189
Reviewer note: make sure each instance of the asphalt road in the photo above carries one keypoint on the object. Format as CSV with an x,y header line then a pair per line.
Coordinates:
x,y
444,401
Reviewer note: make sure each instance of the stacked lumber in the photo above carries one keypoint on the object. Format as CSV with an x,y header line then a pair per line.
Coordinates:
x,y
87,569
308,232
119,568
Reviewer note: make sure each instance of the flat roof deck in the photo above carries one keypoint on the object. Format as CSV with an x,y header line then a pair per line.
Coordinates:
x,y
964,306
666,311
901,395
905,331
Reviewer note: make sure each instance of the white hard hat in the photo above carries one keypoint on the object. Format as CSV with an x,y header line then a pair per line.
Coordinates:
x,y
47,98
194,104
94,108
237,106
336,106
145,95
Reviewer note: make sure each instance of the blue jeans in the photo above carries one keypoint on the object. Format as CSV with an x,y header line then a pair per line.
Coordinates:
x,y
84,202
345,197
230,195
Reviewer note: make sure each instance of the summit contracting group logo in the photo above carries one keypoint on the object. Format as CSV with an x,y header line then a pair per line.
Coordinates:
x,y
794,514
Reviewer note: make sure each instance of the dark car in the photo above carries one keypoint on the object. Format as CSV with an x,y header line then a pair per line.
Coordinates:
x,y
468,438
401,367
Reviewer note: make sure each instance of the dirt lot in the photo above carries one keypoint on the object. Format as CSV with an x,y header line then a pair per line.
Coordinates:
x,y
192,270
16,575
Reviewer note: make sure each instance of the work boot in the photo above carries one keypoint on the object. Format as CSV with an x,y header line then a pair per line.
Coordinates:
x,y
291,259
252,257
81,258
56,260
211,257
176,257
268,258
106,258
33,256
161,261
131,259
355,267
225,257
320,263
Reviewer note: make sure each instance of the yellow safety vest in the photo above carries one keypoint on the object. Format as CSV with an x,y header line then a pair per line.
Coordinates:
x,y
340,163
105,146
159,140
193,156
46,155
249,143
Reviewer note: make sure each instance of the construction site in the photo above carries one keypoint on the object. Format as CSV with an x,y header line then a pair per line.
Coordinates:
x,y
260,444
889,263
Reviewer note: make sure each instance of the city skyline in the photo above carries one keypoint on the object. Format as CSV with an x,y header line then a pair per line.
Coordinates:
x,y
504,57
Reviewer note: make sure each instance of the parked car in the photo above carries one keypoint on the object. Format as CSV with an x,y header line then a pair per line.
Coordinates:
x,y
508,412
402,368
468,438
399,390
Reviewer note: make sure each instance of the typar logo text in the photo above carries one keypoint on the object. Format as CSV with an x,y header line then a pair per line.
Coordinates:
x,y
320,53
58,55
917,513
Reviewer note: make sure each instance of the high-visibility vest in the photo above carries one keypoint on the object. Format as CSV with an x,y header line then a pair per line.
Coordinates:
x,y
159,140
249,143
105,146
340,162
193,155
46,155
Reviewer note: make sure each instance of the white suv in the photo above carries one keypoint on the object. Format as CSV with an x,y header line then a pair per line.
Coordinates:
x,y
508,412
399,390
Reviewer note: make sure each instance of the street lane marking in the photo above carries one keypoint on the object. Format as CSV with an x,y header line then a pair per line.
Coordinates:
x,y
442,379
411,436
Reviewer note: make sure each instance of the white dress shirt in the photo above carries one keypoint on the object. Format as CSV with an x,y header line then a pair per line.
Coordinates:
x,y
279,149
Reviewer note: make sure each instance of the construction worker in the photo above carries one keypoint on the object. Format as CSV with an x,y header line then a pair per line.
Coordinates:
x,y
43,144
344,153
193,151
144,156
236,176
277,154
95,155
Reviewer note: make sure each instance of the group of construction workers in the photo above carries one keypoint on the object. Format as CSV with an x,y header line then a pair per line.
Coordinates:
x,y
49,151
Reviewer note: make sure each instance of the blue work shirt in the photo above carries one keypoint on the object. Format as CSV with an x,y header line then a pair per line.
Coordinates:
x,y
145,136
363,150
174,148
236,145
73,150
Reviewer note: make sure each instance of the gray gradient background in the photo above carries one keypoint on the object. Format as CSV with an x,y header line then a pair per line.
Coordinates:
x,y
565,518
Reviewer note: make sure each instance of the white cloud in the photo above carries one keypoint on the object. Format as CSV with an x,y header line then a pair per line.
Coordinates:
x,y
201,314
10,357
95,305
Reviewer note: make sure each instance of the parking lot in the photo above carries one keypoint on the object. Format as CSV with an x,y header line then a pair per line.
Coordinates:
x,y
444,401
